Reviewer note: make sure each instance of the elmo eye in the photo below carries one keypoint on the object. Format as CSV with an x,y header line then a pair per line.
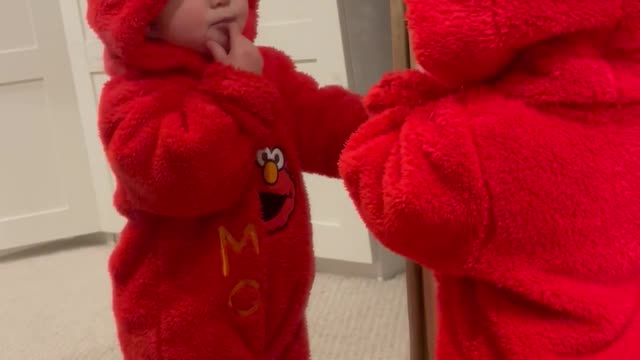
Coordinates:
x,y
263,156
278,158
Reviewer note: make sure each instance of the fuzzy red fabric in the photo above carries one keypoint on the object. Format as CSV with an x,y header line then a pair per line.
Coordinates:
x,y
215,261
511,166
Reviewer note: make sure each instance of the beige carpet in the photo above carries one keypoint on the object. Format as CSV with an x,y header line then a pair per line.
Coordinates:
x,y
55,305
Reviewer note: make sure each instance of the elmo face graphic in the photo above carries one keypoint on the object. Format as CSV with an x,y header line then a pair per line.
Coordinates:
x,y
277,191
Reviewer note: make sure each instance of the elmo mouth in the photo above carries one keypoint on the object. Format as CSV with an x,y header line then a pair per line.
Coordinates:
x,y
272,204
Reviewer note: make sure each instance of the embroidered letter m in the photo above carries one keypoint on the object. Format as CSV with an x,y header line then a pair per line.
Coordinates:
x,y
228,241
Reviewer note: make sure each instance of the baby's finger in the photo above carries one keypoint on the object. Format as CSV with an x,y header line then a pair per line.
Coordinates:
x,y
219,53
235,33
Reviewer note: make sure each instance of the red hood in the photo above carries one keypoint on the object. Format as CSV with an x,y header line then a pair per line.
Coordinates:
x,y
122,26
460,41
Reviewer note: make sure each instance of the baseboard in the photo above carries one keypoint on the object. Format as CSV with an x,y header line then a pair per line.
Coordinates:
x,y
385,265
354,269
388,264
49,247
345,268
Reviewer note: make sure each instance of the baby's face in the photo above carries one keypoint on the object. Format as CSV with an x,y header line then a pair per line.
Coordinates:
x,y
192,23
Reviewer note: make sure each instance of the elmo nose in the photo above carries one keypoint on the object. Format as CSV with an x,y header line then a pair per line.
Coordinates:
x,y
270,173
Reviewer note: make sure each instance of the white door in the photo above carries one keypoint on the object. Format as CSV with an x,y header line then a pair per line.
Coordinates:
x,y
45,184
309,31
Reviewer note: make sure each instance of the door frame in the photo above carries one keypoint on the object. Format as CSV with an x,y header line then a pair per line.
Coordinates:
x,y
85,54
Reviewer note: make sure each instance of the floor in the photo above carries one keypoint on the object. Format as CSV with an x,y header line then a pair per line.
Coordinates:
x,y
54,305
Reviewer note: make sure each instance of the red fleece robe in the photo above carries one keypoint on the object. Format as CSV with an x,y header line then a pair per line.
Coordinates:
x,y
511,167
216,260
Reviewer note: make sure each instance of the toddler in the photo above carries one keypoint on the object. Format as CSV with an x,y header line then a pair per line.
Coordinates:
x,y
207,135
510,165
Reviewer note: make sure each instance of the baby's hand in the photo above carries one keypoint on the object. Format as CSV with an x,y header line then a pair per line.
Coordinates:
x,y
243,54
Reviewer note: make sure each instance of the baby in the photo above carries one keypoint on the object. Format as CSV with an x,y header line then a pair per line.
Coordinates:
x,y
510,165
207,135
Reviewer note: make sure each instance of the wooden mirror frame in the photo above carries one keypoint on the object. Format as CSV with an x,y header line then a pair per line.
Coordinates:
x,y
421,285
